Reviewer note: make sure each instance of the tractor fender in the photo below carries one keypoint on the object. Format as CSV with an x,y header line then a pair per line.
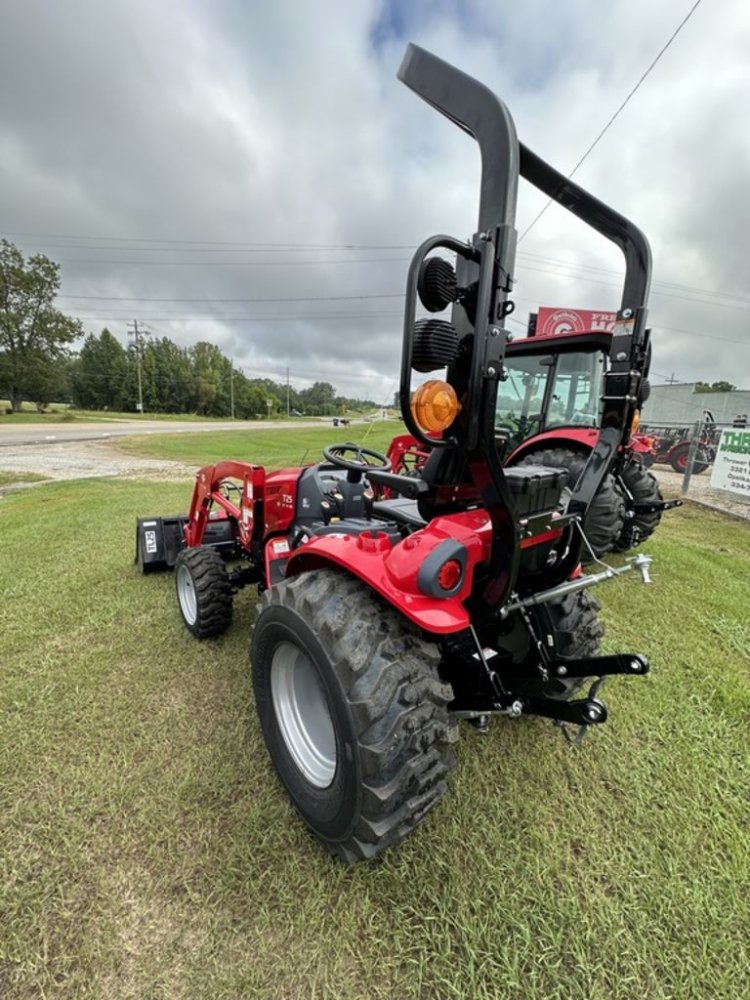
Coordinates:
x,y
580,438
405,574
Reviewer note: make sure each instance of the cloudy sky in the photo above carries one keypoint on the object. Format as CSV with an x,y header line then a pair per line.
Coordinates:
x,y
255,175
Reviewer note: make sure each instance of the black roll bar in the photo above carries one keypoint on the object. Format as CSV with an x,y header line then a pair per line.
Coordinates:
x,y
602,218
475,109
485,267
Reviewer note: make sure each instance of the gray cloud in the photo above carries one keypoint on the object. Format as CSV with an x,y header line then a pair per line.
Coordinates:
x,y
284,124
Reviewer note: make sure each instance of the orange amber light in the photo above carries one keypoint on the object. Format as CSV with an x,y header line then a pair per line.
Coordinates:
x,y
636,422
434,406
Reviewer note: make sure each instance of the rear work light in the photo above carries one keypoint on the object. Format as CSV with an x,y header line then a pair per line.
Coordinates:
x,y
434,406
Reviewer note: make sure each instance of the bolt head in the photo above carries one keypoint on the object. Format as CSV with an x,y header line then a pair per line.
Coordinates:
x,y
562,671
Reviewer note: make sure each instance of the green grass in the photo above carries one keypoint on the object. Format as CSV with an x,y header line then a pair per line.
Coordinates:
x,y
61,411
9,477
148,851
272,448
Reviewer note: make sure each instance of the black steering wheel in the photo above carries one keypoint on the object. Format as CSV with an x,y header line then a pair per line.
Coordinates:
x,y
358,466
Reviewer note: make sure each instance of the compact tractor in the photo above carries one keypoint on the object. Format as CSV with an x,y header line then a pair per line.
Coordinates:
x,y
392,605
671,445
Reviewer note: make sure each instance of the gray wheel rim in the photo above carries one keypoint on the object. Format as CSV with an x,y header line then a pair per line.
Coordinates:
x,y
302,714
186,595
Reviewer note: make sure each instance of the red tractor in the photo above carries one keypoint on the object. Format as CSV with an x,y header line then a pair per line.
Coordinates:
x,y
548,411
392,606
671,445
552,405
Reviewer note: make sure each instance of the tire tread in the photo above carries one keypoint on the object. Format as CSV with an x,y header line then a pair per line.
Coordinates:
x,y
397,702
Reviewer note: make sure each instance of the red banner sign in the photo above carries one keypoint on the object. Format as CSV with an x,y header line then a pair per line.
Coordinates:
x,y
551,320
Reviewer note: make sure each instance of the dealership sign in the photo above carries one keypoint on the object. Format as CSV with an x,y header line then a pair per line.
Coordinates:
x,y
556,321
731,469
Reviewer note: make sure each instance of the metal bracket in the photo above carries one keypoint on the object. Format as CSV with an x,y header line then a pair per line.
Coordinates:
x,y
653,508
602,666
575,739
579,712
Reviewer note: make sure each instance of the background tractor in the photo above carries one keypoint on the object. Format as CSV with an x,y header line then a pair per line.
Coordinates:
x,y
670,445
548,412
391,605
551,406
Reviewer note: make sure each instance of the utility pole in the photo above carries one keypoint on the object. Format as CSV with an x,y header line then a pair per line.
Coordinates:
x,y
287,392
138,333
671,380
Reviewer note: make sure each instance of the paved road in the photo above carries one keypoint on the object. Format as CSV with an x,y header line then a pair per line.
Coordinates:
x,y
13,435
82,450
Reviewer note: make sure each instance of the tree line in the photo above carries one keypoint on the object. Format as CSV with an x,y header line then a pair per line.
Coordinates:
x,y
38,363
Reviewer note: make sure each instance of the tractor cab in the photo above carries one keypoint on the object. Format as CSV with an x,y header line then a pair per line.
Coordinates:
x,y
551,383
549,386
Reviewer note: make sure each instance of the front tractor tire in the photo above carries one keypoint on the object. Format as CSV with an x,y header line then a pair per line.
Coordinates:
x,y
204,593
606,516
679,457
352,710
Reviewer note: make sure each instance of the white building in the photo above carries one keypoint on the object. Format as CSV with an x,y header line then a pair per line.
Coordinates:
x,y
681,404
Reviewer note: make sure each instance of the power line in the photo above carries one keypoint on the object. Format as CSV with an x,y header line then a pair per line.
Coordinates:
x,y
260,248
245,319
234,263
275,247
221,243
702,295
611,121
302,298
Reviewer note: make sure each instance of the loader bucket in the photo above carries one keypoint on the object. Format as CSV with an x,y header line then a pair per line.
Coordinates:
x,y
158,540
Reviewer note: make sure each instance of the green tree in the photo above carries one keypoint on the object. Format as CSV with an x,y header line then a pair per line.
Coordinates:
x,y
319,398
49,381
210,369
100,377
32,332
168,370
714,387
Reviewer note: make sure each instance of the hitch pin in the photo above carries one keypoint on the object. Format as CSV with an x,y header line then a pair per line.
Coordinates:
x,y
642,562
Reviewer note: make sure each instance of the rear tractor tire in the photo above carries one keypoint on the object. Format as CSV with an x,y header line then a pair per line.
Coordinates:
x,y
606,515
571,627
353,712
204,593
644,488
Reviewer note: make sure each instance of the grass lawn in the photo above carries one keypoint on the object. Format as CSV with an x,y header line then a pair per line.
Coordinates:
x,y
8,476
272,448
148,851
62,412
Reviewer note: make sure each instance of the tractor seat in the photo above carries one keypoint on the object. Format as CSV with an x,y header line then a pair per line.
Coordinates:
x,y
402,510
